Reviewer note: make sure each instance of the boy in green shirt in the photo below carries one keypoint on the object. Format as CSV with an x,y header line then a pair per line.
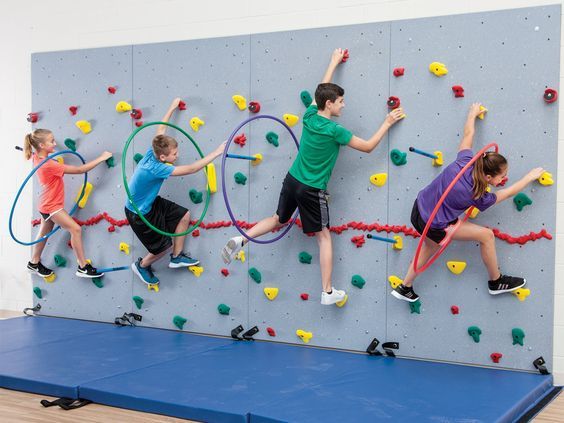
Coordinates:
x,y
305,184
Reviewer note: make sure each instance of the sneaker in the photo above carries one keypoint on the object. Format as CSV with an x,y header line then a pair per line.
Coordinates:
x,y
334,297
88,272
231,248
505,284
405,293
182,260
39,269
145,273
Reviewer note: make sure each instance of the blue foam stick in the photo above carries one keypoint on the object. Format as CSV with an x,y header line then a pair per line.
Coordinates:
x,y
423,153
112,269
381,238
238,156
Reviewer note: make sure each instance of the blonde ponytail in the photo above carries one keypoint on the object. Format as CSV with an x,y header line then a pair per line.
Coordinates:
x,y
27,147
34,139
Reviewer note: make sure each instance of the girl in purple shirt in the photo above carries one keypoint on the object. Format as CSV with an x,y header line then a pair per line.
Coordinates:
x,y
470,190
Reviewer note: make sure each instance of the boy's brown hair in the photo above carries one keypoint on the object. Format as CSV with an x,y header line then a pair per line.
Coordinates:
x,y
162,144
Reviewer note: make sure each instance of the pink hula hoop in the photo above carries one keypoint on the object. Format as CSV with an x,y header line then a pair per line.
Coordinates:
x,y
450,233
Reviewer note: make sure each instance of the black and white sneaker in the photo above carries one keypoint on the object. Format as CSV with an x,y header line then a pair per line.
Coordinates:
x,y
405,293
88,272
39,269
505,284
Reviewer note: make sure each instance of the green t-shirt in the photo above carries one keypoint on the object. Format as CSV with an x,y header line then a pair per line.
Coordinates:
x,y
319,148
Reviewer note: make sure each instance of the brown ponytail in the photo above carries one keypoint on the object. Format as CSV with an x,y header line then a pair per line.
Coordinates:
x,y
489,163
34,139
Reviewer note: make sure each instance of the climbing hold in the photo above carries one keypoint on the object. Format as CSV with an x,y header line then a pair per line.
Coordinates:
x,y
153,287
240,256
255,274
240,178
225,272
111,228
137,157
272,138
271,331
179,321
84,126
358,281
290,119
51,278
518,335
87,192
195,123
379,179
345,56
358,240
546,179
60,159
112,90
136,114
304,296
474,212
124,247
181,105
37,292
398,158
481,115
438,69
98,282
196,196
212,179
240,140
139,123
550,95
32,117
60,261
475,332
342,302
398,72
522,293
415,307
258,159
305,96
254,106
305,257
138,301
70,144
502,182
223,309
456,267
496,357
399,243
304,336
271,293
196,270
73,110
394,281
110,162
123,106
454,309
393,102
458,91
521,200
195,233
439,160
240,101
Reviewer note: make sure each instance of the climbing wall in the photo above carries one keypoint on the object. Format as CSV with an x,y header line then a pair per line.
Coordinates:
x,y
504,59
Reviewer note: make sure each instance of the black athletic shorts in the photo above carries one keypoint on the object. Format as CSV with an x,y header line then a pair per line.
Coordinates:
x,y
419,224
311,202
164,215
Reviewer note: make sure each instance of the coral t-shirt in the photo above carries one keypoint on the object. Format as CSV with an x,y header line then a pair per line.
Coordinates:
x,y
51,179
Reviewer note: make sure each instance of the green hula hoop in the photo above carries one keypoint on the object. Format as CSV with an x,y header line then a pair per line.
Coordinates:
x,y
126,186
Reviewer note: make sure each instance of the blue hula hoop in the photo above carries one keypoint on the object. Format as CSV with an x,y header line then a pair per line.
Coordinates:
x,y
35,169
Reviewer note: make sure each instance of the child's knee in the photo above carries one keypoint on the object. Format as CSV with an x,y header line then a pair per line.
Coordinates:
x,y
186,218
75,230
487,236
278,221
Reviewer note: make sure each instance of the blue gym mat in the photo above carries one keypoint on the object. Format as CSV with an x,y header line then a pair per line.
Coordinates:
x,y
222,380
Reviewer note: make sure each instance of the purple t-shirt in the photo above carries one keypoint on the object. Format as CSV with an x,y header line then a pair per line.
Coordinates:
x,y
459,198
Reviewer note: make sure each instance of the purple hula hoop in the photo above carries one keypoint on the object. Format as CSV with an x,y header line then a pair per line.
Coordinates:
x,y
224,189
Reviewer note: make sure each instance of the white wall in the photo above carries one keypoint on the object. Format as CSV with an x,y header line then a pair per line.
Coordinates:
x,y
39,25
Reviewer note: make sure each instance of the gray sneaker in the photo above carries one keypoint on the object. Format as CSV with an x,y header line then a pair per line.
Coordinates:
x,y
230,249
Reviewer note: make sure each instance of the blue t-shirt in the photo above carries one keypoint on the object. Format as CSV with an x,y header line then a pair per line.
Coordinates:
x,y
146,182
459,198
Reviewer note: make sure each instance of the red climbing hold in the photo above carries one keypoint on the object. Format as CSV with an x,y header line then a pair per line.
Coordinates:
x,y
496,357
271,331
458,91
196,233
345,56
136,114
32,117
139,123
240,139
393,102
358,240
304,296
399,72
181,105
73,110
254,107
503,181
454,309
35,222
225,272
111,228
550,95
112,90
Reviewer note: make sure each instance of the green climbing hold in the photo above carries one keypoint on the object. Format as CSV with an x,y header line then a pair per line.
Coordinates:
x,y
306,98
255,275
179,321
415,307
240,178
138,157
521,200
71,144
60,261
110,162
37,292
475,332
518,336
138,301
305,257
358,281
398,158
196,196
223,309
98,282
272,138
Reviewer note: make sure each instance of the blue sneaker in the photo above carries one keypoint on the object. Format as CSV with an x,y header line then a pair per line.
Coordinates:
x,y
145,273
182,260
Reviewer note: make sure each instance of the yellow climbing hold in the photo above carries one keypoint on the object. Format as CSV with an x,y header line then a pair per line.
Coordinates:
x,y
439,160
481,115
212,179
290,119
240,101
474,213
153,287
196,270
240,256
84,198
379,179
84,126
258,160
342,302
195,123
439,69
271,293
399,243
394,281
51,278
546,179
124,247
304,336
60,159
123,106
522,293
456,267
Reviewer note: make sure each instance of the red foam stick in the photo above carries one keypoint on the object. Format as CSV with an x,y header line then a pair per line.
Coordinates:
x,y
73,110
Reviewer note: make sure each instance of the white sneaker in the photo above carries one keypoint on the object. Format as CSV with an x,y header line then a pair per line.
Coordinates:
x,y
231,248
332,298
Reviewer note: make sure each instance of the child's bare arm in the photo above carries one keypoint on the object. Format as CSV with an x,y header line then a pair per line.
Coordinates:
x,y
469,127
366,146
87,167
504,194
173,106
336,58
199,164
